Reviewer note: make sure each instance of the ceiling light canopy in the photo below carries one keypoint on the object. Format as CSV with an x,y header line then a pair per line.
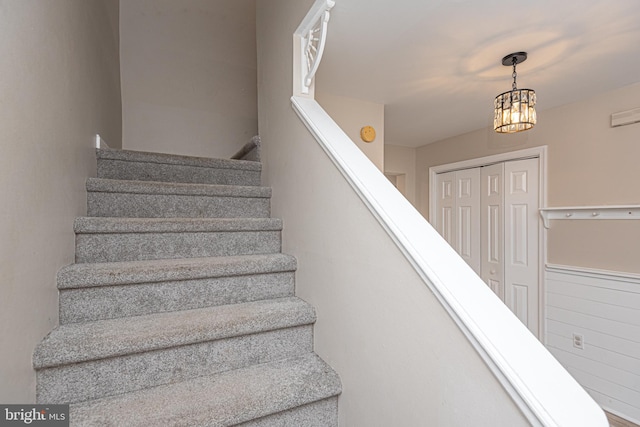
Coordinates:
x,y
515,110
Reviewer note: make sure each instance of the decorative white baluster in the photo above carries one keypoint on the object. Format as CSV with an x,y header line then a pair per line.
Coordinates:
x,y
309,43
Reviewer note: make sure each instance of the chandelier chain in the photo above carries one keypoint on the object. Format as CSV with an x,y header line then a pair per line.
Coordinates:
x,y
513,86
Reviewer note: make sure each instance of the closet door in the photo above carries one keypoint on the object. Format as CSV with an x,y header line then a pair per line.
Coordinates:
x,y
445,206
458,213
489,215
492,227
521,242
467,217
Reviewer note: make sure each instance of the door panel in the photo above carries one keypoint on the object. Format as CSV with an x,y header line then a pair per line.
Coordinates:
x,y
519,235
520,302
464,231
494,233
468,218
445,206
496,287
521,243
492,227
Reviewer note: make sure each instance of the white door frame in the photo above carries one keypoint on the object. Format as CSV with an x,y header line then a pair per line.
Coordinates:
x,y
539,152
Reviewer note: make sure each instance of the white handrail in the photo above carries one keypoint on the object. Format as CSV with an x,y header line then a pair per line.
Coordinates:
x,y
543,390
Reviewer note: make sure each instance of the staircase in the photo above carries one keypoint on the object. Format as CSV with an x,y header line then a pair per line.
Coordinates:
x,y
180,308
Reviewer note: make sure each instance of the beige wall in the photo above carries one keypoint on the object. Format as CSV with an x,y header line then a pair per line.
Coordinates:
x,y
401,359
188,75
589,163
60,86
402,160
351,115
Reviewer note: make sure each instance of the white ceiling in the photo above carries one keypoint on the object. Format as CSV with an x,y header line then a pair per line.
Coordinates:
x,y
436,64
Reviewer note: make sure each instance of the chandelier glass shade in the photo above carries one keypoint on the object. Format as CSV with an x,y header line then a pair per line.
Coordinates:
x,y
515,110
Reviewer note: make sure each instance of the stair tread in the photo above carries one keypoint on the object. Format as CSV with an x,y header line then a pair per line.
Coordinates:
x,y
173,225
220,400
173,159
172,188
78,342
84,275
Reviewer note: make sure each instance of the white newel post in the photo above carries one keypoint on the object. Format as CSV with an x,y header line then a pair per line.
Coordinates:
x,y
308,45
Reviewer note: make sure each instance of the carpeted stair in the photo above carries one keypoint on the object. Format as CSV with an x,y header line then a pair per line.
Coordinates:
x,y
180,308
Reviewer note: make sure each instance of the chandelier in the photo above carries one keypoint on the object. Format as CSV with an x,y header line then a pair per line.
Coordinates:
x,y
515,110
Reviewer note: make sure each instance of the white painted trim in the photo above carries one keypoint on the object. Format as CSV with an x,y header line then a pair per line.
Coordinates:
x,y
495,158
541,153
543,390
594,273
590,212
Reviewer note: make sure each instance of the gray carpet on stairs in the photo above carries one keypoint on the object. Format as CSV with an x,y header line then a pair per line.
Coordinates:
x,y
180,308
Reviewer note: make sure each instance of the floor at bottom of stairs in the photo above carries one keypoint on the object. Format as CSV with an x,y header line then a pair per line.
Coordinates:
x,y
616,421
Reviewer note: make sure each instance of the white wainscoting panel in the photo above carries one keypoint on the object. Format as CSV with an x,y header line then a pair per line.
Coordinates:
x,y
603,307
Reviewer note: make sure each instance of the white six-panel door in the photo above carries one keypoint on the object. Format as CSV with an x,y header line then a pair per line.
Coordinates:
x,y
489,216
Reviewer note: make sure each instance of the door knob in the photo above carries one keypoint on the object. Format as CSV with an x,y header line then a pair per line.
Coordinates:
x,y
492,272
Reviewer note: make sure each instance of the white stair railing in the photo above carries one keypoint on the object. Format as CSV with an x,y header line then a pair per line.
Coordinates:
x,y
542,389
309,42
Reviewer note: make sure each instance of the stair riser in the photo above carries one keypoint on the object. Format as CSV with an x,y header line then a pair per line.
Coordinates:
x,y
108,377
110,247
323,413
143,171
108,302
175,206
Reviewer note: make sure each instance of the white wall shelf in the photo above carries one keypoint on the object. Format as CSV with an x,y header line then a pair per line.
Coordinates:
x,y
590,212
